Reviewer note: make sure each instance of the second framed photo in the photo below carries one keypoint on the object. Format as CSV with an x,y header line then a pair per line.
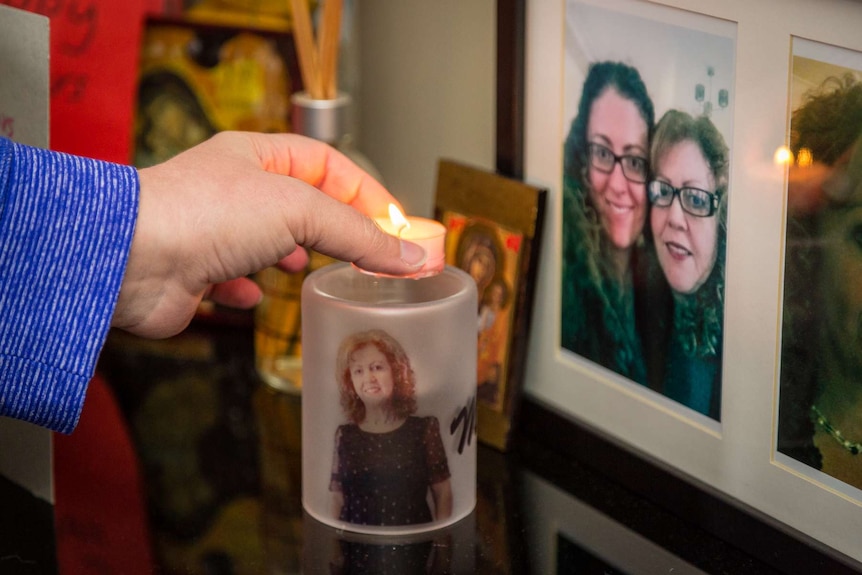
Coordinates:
x,y
820,405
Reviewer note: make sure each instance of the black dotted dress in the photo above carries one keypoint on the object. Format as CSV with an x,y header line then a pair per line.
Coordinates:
x,y
385,477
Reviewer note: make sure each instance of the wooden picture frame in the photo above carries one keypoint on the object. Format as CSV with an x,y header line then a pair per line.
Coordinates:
x,y
509,137
494,228
735,456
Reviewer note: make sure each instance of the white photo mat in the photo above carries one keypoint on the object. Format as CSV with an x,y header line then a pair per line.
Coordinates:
x,y
737,456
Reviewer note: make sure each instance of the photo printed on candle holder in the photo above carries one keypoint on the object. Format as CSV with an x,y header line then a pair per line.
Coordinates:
x,y
386,457
389,413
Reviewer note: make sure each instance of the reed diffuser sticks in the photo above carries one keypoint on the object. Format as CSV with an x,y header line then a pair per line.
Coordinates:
x,y
318,60
328,43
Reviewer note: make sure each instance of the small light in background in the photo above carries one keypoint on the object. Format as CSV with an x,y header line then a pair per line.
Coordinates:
x,y
804,159
783,156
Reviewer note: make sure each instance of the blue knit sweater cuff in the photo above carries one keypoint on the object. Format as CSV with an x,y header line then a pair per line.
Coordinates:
x,y
66,227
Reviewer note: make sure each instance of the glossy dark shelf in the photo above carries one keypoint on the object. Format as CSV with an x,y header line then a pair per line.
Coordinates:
x,y
562,500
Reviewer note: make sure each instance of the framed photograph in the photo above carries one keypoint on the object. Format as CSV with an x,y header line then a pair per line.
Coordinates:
x,y
661,296
493,229
642,286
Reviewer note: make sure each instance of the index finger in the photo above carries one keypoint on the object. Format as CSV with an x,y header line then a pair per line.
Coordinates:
x,y
325,168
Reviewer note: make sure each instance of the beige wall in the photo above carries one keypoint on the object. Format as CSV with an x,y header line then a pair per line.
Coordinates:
x,y
426,90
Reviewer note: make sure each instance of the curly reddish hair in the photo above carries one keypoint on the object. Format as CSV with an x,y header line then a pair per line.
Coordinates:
x,y
403,400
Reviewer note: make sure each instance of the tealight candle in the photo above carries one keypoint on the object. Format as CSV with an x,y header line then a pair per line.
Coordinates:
x,y
429,234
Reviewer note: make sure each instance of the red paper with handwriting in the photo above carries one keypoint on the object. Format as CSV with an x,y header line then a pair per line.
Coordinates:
x,y
94,64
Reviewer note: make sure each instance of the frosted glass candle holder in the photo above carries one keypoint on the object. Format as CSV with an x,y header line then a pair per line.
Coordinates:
x,y
389,402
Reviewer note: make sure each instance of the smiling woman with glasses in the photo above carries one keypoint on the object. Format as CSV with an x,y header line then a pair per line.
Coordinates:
x,y
688,220
606,168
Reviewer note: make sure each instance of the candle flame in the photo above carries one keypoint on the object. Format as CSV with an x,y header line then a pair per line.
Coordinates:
x,y
398,219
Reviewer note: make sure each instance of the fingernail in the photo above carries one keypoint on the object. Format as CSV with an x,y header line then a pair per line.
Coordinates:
x,y
412,254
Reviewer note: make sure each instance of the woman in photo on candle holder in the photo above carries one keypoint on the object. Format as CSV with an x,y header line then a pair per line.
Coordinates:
x,y
387,461
820,399
606,161
688,219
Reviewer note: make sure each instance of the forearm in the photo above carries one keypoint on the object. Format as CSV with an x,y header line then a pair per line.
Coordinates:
x,y
337,504
442,494
66,225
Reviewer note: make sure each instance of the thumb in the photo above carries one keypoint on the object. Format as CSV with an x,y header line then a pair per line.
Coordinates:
x,y
338,230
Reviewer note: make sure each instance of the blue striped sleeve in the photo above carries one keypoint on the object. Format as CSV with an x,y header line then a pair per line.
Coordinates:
x,y
66,227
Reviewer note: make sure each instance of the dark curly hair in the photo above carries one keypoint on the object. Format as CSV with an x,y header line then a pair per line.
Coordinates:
x,y
828,122
595,322
601,77
403,400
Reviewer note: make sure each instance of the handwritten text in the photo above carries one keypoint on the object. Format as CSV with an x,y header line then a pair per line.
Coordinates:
x,y
79,19
466,417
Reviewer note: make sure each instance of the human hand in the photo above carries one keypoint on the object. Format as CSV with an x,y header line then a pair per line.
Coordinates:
x,y
236,204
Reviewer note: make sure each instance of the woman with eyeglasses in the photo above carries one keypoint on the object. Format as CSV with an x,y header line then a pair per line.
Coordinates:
x,y
688,220
604,211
